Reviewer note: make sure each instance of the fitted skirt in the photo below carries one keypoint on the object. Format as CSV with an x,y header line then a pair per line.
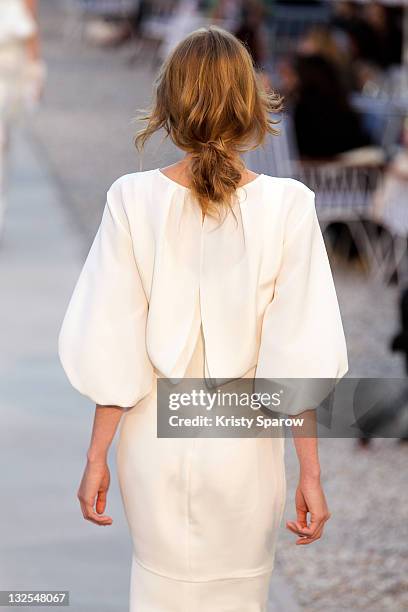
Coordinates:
x,y
203,513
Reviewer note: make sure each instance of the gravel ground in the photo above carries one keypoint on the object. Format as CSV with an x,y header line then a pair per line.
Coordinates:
x,y
361,563
85,130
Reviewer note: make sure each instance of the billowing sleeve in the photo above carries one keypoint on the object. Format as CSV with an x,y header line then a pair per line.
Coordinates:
x,y
102,344
302,334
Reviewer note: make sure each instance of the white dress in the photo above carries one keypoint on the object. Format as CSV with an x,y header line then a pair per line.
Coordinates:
x,y
163,294
17,25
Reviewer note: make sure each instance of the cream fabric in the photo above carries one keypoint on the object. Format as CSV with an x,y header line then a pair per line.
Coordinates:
x,y
163,294
155,593
203,513
260,284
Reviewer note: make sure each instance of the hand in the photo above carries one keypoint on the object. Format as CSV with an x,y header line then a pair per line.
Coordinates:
x,y
92,492
309,499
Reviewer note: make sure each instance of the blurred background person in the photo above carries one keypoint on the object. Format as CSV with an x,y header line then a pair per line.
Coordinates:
x,y
21,73
252,32
321,40
325,124
386,34
372,33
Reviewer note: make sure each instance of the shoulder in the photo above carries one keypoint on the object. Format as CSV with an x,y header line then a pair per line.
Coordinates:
x,y
127,183
290,189
293,204
295,187
290,196
130,192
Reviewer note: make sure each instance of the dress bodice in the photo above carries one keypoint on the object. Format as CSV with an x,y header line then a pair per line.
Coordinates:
x,y
259,285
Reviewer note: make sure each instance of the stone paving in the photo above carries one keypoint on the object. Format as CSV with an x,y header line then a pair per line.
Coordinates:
x,y
45,543
83,137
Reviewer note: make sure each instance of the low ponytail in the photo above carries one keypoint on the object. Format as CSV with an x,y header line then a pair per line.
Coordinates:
x,y
212,104
215,174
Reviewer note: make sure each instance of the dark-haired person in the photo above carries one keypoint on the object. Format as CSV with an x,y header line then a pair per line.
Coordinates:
x,y
325,123
202,269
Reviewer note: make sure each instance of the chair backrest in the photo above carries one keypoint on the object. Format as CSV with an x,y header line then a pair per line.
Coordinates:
x,y
277,157
342,192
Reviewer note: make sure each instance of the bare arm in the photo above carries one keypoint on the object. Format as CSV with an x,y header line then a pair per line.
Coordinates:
x,y
96,478
305,440
34,42
310,497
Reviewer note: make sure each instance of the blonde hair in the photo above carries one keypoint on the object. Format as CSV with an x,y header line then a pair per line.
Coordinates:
x,y
211,102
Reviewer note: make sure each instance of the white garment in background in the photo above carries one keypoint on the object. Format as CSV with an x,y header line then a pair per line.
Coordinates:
x,y
163,294
16,22
17,25
187,17
16,83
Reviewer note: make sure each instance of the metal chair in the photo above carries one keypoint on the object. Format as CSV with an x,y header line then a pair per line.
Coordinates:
x,y
344,193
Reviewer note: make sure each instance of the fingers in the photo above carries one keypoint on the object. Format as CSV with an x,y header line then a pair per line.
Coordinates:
x,y
308,540
301,516
101,502
89,513
311,529
308,533
296,527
